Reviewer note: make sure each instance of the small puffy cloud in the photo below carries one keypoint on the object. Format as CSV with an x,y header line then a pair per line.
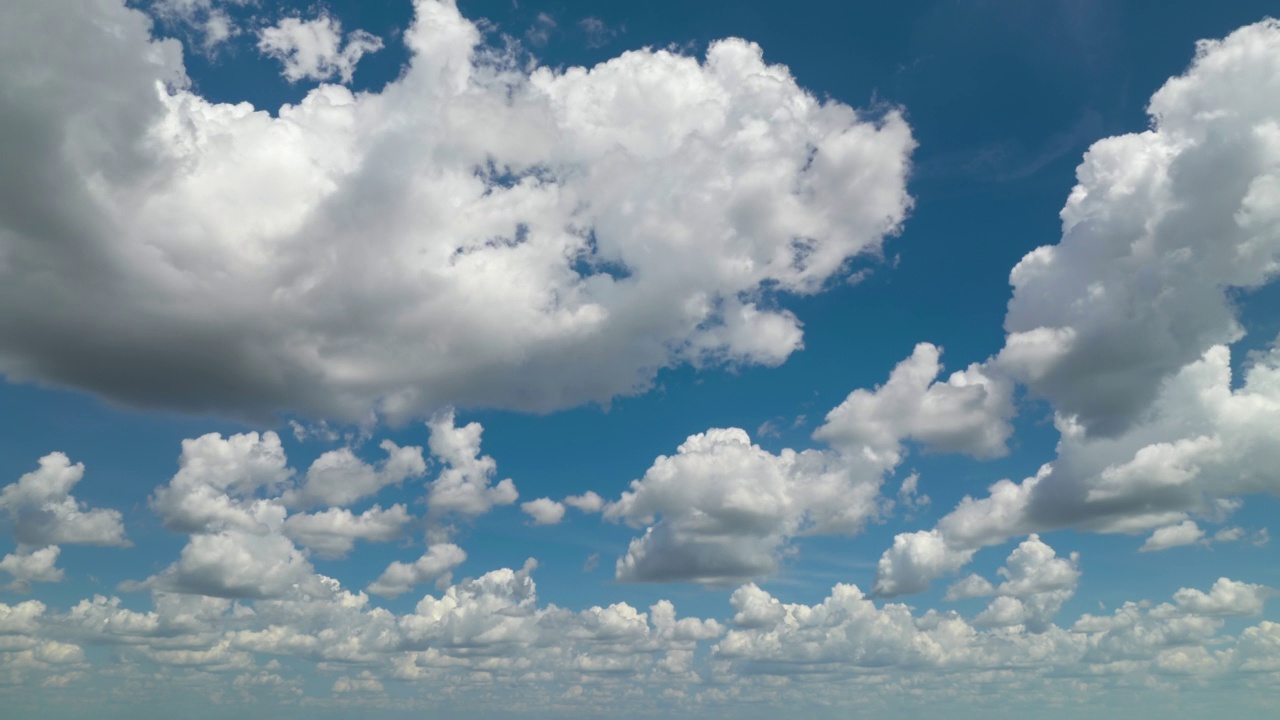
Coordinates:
x,y
1229,534
1036,584
339,478
471,234
29,565
721,509
436,564
1034,568
587,502
332,533
754,607
1186,532
971,586
1227,598
544,511
968,413
1125,325
22,618
314,49
217,481
909,492
463,486
914,561
44,512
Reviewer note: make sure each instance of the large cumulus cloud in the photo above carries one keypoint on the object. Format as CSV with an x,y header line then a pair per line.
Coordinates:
x,y
1127,327
1160,228
471,234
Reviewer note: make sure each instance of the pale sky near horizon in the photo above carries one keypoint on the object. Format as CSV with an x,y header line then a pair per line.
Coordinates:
x,y
504,359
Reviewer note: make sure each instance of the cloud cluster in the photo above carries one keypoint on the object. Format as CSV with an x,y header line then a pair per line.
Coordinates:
x,y
722,509
461,643
1126,325
43,514
473,234
254,522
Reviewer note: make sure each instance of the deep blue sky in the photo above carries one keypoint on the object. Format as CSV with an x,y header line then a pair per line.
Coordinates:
x,y
1003,98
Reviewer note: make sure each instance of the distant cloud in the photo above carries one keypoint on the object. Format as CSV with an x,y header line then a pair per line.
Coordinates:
x,y
314,49
597,32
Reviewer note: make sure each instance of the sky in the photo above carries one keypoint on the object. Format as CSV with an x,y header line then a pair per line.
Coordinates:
x,y
502,359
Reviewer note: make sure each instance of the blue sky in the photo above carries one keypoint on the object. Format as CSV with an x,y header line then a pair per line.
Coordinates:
x,y
513,359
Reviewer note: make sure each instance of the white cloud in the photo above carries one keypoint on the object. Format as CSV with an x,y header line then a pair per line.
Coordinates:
x,y
218,480
239,564
1200,443
587,502
971,586
332,533
1229,534
1227,598
463,486
721,508
468,235
339,478
1037,583
915,559
1125,324
436,564
314,50
44,512
21,618
207,17
544,511
1186,532
968,413
28,565
1159,228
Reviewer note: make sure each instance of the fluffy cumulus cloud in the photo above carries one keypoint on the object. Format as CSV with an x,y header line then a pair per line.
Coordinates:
x,y
29,564
968,413
1160,228
1126,325
437,563
254,523
463,486
340,478
1186,532
723,509
1201,444
493,630
472,234
333,533
544,511
42,510
314,49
